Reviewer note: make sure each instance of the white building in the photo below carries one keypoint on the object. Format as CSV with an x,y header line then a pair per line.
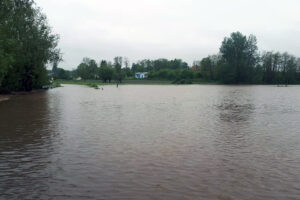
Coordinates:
x,y
141,75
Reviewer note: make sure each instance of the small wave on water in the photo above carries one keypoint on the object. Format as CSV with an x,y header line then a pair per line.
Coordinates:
x,y
152,142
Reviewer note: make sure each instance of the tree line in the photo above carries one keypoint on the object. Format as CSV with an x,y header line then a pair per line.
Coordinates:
x,y
26,46
120,69
237,62
240,62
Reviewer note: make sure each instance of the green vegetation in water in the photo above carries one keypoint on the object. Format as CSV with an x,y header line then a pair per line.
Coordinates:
x,y
89,83
93,85
52,85
56,84
96,83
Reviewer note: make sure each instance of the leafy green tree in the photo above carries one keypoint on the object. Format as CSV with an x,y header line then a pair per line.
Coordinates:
x,y
239,55
187,74
119,76
279,68
127,70
206,68
289,63
83,71
93,69
271,67
103,63
88,69
106,72
136,67
61,73
26,46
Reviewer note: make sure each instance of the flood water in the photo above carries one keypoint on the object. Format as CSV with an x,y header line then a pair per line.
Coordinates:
x,y
152,142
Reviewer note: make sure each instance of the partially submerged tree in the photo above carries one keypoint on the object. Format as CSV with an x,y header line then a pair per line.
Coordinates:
x,y
26,46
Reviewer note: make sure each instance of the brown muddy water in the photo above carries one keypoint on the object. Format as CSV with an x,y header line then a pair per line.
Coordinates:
x,y
152,142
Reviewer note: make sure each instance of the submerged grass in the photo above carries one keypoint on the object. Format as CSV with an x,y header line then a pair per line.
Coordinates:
x,y
96,83
56,84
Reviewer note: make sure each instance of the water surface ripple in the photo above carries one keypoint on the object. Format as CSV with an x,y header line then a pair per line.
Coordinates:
x,y
152,142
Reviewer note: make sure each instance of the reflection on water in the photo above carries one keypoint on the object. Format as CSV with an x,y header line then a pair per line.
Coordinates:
x,y
236,106
152,142
25,146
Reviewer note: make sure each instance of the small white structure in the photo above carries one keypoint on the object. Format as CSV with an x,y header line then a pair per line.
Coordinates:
x,y
141,75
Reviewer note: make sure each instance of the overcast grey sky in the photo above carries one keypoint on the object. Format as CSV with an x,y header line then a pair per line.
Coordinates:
x,y
187,29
